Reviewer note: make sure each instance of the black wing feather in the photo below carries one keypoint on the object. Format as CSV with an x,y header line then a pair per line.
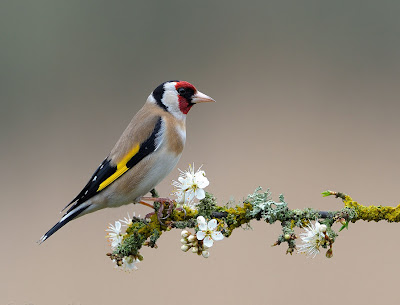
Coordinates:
x,y
105,169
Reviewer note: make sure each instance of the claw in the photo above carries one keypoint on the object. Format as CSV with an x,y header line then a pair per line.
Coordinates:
x,y
181,210
149,215
169,211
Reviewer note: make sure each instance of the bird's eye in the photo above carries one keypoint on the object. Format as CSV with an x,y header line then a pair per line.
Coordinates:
x,y
181,91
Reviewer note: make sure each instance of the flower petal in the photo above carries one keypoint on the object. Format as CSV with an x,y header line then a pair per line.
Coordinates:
x,y
212,224
180,196
202,223
189,176
201,180
208,242
189,195
129,263
200,194
217,235
200,235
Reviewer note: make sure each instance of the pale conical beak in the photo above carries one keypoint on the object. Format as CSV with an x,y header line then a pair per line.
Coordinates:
x,y
201,98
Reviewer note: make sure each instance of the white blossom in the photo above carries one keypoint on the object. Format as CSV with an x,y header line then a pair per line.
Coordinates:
x,y
129,263
207,232
114,235
127,221
312,238
190,185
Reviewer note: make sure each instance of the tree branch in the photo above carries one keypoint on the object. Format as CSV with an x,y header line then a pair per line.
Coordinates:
x,y
258,206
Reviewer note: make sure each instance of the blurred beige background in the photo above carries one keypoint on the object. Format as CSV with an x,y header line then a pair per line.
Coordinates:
x,y
307,100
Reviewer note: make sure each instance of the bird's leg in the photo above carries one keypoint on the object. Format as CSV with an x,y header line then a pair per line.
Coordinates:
x,y
159,199
146,204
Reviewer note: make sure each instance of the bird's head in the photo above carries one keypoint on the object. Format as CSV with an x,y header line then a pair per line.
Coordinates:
x,y
177,97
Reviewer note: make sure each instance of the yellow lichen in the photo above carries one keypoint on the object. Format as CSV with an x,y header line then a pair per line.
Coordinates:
x,y
240,216
179,215
373,213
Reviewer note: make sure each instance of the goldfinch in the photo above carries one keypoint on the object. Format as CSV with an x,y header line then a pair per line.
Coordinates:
x,y
148,149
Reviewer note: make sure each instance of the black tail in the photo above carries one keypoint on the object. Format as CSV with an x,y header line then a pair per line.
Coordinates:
x,y
66,219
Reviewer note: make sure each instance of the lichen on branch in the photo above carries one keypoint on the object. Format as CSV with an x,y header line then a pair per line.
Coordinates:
x,y
316,225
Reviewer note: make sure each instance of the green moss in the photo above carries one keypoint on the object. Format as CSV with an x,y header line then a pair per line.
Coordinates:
x,y
155,234
131,245
207,205
191,223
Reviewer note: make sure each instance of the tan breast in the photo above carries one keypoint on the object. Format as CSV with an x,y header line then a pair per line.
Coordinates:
x,y
175,134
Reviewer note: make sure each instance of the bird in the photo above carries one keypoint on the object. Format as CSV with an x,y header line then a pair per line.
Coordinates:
x,y
147,151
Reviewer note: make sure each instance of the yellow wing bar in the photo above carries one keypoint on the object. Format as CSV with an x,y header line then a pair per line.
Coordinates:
x,y
121,169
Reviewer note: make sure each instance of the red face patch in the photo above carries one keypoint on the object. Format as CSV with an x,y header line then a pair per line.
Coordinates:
x,y
185,93
184,105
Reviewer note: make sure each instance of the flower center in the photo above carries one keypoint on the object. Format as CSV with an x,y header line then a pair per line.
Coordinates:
x,y
208,232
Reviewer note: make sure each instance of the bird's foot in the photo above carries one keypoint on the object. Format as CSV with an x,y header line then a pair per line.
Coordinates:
x,y
160,209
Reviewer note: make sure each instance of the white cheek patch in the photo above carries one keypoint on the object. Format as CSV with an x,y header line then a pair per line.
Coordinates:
x,y
171,101
170,86
170,97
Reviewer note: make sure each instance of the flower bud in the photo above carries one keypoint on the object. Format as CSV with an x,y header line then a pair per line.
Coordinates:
x,y
184,241
195,249
322,228
205,254
185,248
286,236
185,233
192,238
290,251
329,253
